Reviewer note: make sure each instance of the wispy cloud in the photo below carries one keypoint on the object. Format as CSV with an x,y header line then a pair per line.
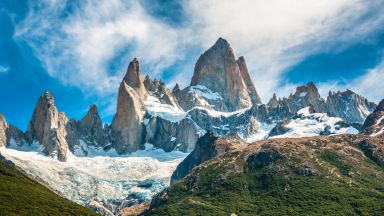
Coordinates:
x,y
3,69
275,35
79,48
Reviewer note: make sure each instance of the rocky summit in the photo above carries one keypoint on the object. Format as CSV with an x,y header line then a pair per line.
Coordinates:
x,y
218,70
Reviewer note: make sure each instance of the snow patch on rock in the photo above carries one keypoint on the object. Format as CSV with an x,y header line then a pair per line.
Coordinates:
x,y
205,92
164,111
308,124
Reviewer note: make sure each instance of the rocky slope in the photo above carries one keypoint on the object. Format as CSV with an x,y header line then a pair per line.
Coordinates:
x,y
374,123
207,147
321,175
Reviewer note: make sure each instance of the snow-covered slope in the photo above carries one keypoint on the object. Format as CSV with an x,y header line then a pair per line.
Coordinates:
x,y
118,181
306,124
165,111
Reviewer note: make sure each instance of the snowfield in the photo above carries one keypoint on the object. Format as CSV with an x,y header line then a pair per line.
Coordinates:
x,y
135,177
312,124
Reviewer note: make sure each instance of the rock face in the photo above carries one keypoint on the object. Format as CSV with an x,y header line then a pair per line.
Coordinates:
x,y
127,124
48,127
349,105
171,136
217,69
305,96
158,89
207,147
134,79
91,130
374,124
3,131
273,102
255,98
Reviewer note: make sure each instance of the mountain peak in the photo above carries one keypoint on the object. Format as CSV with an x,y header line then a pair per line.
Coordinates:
x,y
380,107
133,76
218,70
176,88
222,42
92,112
134,79
248,81
47,126
310,89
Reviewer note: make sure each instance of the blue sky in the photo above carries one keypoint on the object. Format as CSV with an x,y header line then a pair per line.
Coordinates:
x,y
79,50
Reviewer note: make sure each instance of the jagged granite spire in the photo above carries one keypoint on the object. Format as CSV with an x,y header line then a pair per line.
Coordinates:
x,y
218,70
349,106
3,131
47,126
127,128
91,128
134,79
304,96
273,102
248,82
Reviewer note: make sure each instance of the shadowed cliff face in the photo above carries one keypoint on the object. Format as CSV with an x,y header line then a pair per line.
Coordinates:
x,y
207,147
374,123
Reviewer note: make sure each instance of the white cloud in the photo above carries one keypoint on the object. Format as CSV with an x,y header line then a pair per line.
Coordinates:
x,y
78,49
3,69
272,35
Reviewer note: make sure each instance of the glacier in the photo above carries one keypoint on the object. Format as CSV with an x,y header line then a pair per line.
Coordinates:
x,y
122,180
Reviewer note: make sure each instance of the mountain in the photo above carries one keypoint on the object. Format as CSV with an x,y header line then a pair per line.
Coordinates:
x,y
22,196
322,175
221,98
154,128
48,127
305,96
349,106
374,123
127,124
217,70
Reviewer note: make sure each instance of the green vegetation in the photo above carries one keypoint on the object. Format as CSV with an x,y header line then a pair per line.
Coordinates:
x,y
278,190
20,195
